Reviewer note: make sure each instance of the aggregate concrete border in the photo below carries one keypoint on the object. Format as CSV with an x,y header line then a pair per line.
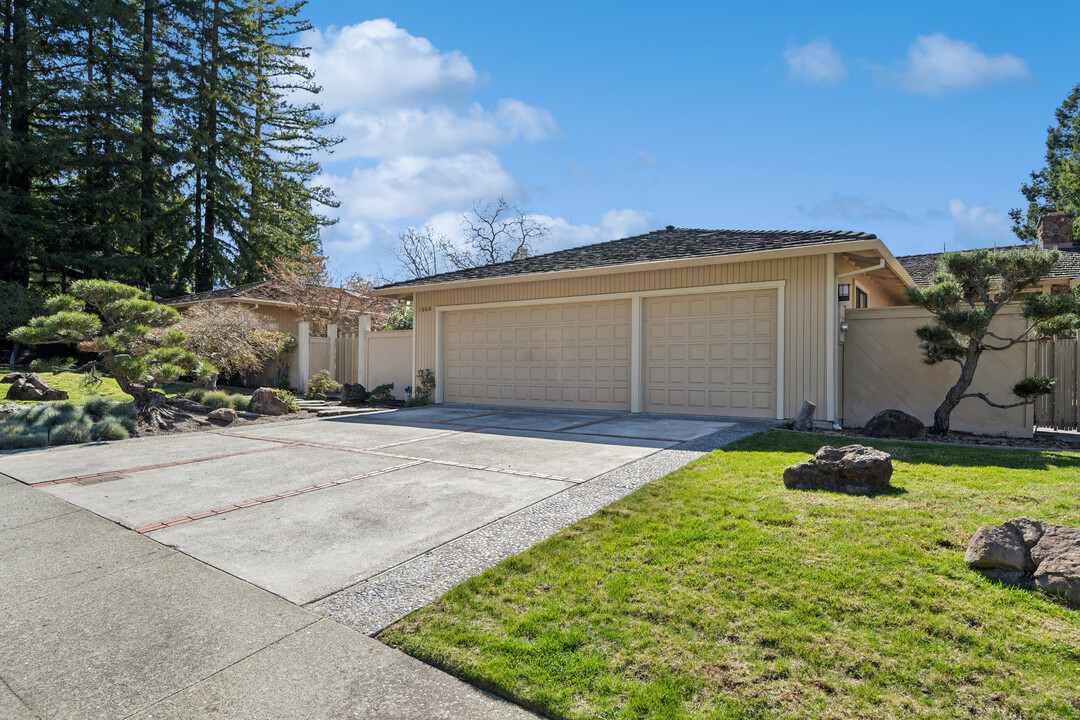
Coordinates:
x,y
381,600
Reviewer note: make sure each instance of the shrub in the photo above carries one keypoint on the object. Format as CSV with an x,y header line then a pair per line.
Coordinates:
x,y
19,440
239,402
288,398
215,399
124,410
98,407
321,382
52,365
109,428
71,432
44,417
196,394
382,394
425,390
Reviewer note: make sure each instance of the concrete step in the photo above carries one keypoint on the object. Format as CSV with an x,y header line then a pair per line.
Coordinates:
x,y
342,410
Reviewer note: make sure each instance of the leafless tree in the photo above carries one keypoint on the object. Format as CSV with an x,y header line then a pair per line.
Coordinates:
x,y
418,251
495,232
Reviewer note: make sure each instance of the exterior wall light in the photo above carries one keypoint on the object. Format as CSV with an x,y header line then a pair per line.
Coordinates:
x,y
843,292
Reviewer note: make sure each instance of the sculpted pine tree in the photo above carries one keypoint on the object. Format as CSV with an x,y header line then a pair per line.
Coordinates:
x,y
137,339
971,289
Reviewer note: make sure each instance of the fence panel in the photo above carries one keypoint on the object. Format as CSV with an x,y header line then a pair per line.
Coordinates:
x,y
1057,358
320,355
346,357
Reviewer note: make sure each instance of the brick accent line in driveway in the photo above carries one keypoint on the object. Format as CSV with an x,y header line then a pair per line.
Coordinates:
x,y
142,468
273,498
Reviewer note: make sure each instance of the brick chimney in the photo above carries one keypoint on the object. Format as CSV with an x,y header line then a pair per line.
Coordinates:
x,y
1055,230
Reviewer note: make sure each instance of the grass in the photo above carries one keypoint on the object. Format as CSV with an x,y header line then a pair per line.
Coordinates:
x,y
79,394
717,593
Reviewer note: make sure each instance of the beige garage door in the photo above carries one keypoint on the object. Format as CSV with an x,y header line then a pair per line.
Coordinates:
x,y
711,354
565,355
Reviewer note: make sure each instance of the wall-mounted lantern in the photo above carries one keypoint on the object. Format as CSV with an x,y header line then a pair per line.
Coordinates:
x,y
843,292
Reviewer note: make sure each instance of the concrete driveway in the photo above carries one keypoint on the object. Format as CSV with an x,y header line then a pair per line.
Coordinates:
x,y
271,540
304,509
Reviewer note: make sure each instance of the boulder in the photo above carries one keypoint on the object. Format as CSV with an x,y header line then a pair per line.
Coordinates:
x,y
1029,550
804,420
32,387
265,401
895,424
319,396
222,415
354,393
13,376
188,405
852,469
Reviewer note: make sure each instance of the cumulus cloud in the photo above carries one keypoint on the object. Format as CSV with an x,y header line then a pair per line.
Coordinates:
x,y
855,208
937,63
375,64
815,62
980,225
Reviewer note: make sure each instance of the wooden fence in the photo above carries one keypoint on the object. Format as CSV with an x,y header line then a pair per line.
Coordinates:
x,y
1058,358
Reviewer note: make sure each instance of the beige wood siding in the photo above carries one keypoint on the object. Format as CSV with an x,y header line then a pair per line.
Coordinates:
x,y
544,355
808,297
711,354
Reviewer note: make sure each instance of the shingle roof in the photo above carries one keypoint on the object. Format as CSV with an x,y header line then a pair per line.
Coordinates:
x,y
922,267
672,244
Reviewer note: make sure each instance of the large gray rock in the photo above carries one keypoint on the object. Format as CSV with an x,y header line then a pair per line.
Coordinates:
x,y
852,469
895,424
32,387
354,393
265,401
1025,548
222,415
13,376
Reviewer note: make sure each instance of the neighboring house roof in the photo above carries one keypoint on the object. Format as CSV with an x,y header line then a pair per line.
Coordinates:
x,y
923,267
670,244
264,291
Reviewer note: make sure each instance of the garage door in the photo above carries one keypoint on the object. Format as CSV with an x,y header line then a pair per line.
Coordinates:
x,y
711,354
565,355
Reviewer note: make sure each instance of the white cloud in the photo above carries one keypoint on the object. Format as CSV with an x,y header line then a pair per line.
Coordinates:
x,y
855,208
376,64
439,131
937,63
980,225
815,62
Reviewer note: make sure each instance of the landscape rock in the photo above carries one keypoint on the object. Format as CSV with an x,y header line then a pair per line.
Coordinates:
x,y
265,401
354,393
32,387
13,376
319,396
1029,550
895,424
852,469
188,405
12,408
222,415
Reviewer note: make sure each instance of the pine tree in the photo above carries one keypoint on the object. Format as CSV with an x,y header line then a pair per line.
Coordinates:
x,y
1057,186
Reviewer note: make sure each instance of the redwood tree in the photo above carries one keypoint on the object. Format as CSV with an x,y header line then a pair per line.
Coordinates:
x,y
969,291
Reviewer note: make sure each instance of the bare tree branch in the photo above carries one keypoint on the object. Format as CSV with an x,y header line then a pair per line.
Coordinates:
x,y
495,232
988,401
418,251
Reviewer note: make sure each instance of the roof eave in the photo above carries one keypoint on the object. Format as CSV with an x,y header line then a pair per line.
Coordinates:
x,y
802,251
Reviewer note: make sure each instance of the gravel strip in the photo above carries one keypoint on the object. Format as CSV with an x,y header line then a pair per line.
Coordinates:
x,y
383,599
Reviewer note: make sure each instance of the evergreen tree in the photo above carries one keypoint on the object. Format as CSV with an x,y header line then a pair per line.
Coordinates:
x,y
1057,186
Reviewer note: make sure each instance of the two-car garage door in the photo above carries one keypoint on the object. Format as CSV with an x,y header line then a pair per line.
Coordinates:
x,y
705,354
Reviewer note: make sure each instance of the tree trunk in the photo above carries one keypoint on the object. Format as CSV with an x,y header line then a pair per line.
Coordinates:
x,y
205,275
956,392
152,410
146,167
17,268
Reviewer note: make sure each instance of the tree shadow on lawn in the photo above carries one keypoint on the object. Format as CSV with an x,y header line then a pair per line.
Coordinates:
x,y
913,453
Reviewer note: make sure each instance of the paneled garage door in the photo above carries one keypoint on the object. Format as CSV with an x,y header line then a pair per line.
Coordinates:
x,y
711,354
560,355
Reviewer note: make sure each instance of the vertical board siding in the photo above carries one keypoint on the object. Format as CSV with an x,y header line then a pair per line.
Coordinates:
x,y
346,358
807,295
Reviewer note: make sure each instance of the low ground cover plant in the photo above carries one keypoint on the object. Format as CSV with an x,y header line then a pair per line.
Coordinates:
x,y
66,423
215,399
715,592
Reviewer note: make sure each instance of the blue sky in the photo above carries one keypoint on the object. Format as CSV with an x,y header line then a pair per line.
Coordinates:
x,y
915,121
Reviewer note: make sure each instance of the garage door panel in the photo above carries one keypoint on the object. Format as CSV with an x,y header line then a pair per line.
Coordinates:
x,y
711,353
573,354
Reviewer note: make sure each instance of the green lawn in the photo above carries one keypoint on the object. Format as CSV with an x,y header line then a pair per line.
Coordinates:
x,y
717,593
77,394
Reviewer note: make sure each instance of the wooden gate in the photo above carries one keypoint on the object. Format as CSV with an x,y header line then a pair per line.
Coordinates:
x,y
1057,358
